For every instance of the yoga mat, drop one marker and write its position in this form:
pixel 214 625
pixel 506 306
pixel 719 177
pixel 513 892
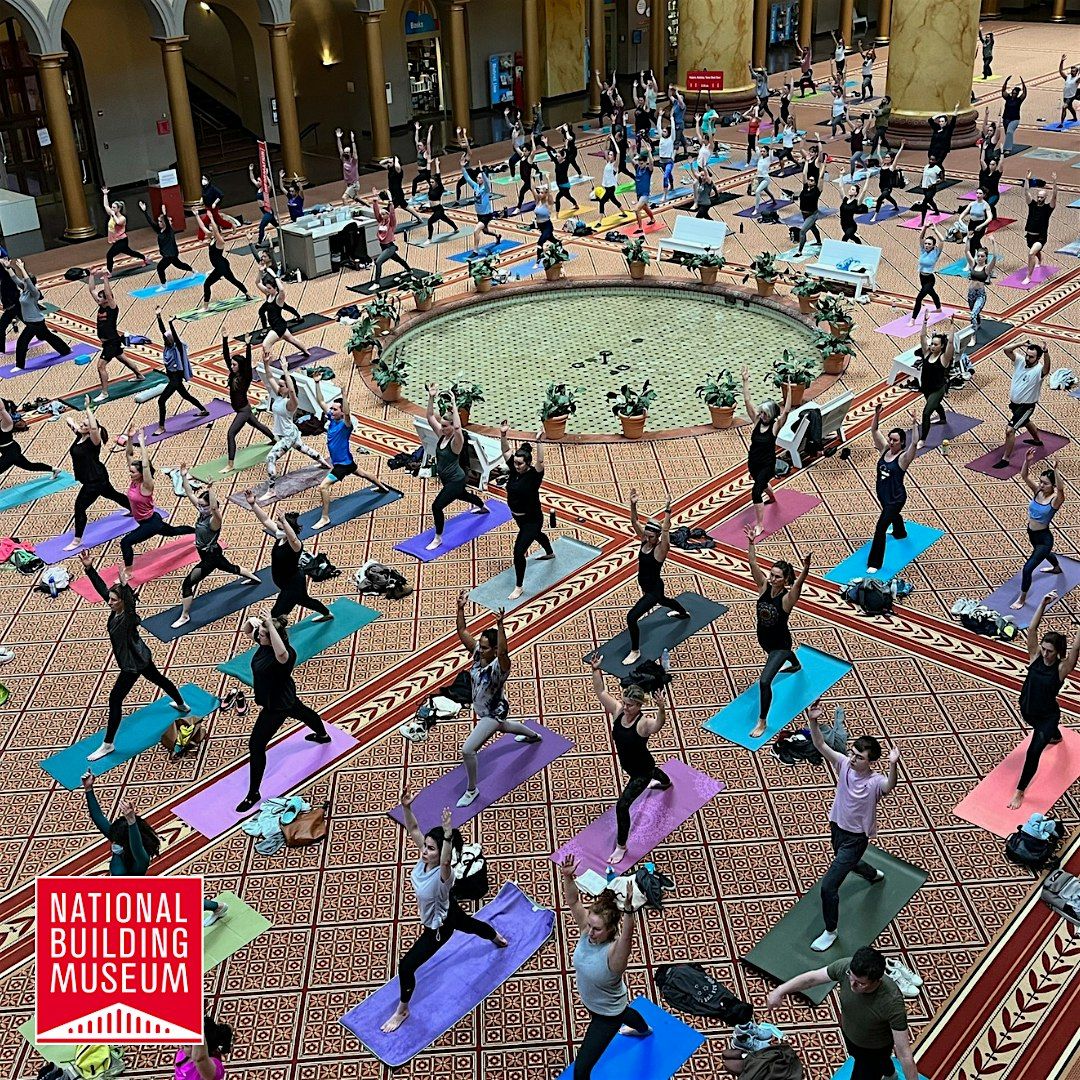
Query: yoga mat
pixel 943 186
pixel 485 249
pixel 766 208
pixel 570 555
pixel 810 252
pixel 389 281
pixel 959 268
pixel 1018 148
pixel 212 605
pixel 791 694
pixel 789 507
pixel 990 330
pixel 455 981
pixel 239 926
pixel 845 1070
pixel 442 238
pixel 887 213
pixel 357 503
pixel 656 1057
pixel 99 531
pixel 460 529
pixel 118 388
pixel 216 307
pixel 905 325
pixel 658 633
pixel 521 271
pixel 1052 443
pixel 292 483
pixel 1002 188
pixel 47 360
pixel 1042 153
pixel 1001 599
pixel 247 457
pixel 898 553
pixel 148 566
pixel 931 219
pixel 1067 126
pixel 859 177
pixel 502 766
pixel 663 198
pixel 865 910
pixel 289 762
pixel 1073 247
pixel 309 638
pixel 192 281
pixel 987 804
pixel 624 187
pixel 955 425
pixel 32 490
pixel 316 354
pixel 57 1053
pixel 1015 280
pixel 130 269
pixel 308 322
pixel 796 219
pixel 139 730
pixel 654 817
pixel 1075 204
pixel 647 228
pixel 188 421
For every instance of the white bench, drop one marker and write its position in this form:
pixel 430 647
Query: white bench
pixel 833 252
pixel 694 236
pixel 793 434
pixel 905 365
pixel 485 453
pixel 306 402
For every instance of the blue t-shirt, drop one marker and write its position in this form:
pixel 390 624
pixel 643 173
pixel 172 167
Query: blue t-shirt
pixel 928 260
pixel 482 190
pixel 337 442
pixel 642 178
pixel 678 112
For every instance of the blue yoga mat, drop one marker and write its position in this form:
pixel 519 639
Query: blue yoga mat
pixel 212 605
pixel 139 731
pixel 570 556
pixel 656 1057
pixel 21 494
pixel 486 249
pixel 355 504
pixel 309 638
pixel 898 553
pixel 192 281
pixel 956 269
pixel 526 270
pixel 791 694
pixel 845 1070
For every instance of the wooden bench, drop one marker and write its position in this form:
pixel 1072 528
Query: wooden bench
pixel 485 453
pixel 694 236
pixel 793 434
pixel 834 252
pixel 905 365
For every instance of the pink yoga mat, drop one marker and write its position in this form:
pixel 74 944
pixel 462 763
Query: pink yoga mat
pixel 789 507
pixel 905 326
pixel 1038 276
pixel 931 219
pixel 187 421
pixel 987 805
pixel 999 223
pixel 289 763
pixel 653 818
pixel 646 227
pixel 148 566
pixel 1052 443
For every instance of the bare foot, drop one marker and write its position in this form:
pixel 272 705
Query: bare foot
pixel 1018 603
pixel 1016 800
pixel 76 543
pixel 632 657
pixel 759 730
pixel 252 578
pixel 516 594
pixel 501 942
pixel 435 543
pixel 617 856
pixel 228 469
pixel 626 1029
pixel 400 1015
pixel 1052 570
pixel 321 523
pixel 181 621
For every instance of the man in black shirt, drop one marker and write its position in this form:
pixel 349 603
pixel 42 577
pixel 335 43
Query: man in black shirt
pixel 1010 113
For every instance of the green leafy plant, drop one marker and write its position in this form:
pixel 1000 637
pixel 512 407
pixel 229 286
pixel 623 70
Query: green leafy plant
pixel 467 394
pixel 707 258
pixel 424 288
pixel 831 309
pixel 764 267
pixel 829 344
pixel 483 266
pixel 553 253
pixel 636 251
pixel 559 400
pixel 799 371
pixel 719 391
pixel 384 308
pixel 805 285
pixel 362 334
pixel 629 402
pixel 387 370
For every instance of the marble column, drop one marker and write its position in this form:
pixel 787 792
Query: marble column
pixel 284 91
pixel 991 9
pixel 847 10
pixel 183 127
pixel 761 32
pixel 64 154
pixel 884 21
pixel 931 58
pixel 806 21
pixel 718 35
pixel 1058 13
pixel 597 58
pixel 376 82
pixel 460 97
pixel 530 47
pixel 658 50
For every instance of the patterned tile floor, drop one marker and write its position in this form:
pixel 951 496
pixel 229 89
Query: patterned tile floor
pixel 341 912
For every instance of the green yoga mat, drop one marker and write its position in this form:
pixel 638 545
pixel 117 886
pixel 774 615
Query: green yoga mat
pixel 217 307
pixel 240 926
pixel 865 910
pixel 119 389
pixel 58 1055
pixel 310 638
pixel 623 188
pixel 246 458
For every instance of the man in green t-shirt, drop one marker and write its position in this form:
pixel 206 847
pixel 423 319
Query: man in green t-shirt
pixel 873 1018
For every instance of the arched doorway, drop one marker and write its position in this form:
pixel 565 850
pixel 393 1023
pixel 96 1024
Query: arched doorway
pixel 423 50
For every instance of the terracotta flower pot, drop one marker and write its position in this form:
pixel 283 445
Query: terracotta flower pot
pixel 483 284
pixel 835 364
pixel 765 288
pixel 722 416
pixel 390 392
pixel 553 273
pixel 362 358
pixel 840 329
pixel 708 274
pixel 633 427
pixel 383 322
pixel 424 305
pixel 463 415
pixel 555 427
pixel 806 305
pixel 637 270
pixel 796 392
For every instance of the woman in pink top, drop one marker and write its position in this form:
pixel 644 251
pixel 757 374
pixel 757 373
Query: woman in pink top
pixel 141 497
pixel 203 1062
pixel 383 209
pixel 118 233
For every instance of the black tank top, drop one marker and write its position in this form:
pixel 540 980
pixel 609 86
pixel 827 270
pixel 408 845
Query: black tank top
pixel 1038 218
pixel 1038 695
pixel 980 274
pixel 848 208
pixel 648 571
pixel 890 481
pixel 772 621
pixel 7 441
pixel 106 323
pixel 932 376
pixel 217 258
pixel 634 755
pixel 762 452
pixel 436 190
pixel 86 462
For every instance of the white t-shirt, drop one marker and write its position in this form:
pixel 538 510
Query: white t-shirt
pixel 1026 381
pixel 839 107
pixel 610 179
pixel 432 894
pixel 667 148
pixel 763 166
pixel 838 56
pixel 931 174
pixel 704 154
pixel 1069 88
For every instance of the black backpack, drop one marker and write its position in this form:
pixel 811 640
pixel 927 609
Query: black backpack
pixel 318 567
pixel 872 596
pixel 815 441
pixel 691 989
pixel 649 675
pixel 1033 851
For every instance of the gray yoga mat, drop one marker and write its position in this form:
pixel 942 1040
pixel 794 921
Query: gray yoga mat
pixel 570 555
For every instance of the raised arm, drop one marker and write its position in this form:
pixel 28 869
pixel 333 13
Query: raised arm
pixel 912 446
pixel 1034 634
pixel 1069 662
pixel 276 388
pixel 834 757
pixel 664 545
pixel 1053 191
pixel 105 202
pixel 619 955
pixel 502 646
pixel 95 578
pixel 875 434
pixel 539 464
pixel 263 517
pixel 432 415
pixel 751 552
pixel 101 822
pixel 634 522
pixel 285 529
pixel 568 871
pixel 463 634
pixel 609 701
pixel 412 826
pixel 147 473
pixel 794 594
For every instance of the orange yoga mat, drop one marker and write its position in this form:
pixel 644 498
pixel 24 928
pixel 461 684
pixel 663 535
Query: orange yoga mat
pixel 988 805
pixel 148 566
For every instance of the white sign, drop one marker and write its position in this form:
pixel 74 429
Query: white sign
pixel 43 137
pixel 167 178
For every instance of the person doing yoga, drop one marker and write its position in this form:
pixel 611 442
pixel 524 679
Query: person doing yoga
pixel 490 668
pixel 117 232
pixel 1069 91
pixel 523 499
pixel 655 540
pixel 283 407
pixel 440 915
pixel 1047 498
pixel 897 453
pixel 112 343
pixel 178 369
pixel 132 841
pixel 1040 208
pixel 768 419
pixel 88 469
pixel 168 249
pixel 930 248
pixel 11 453
pixel 239 382
pixel 936 351
pixel 274 690
pixel 273 310
pixel 630 732
pixel 450 440
pixel 133 657
pixel 31 313
pixel 1031 366
pixel 781 591
pixel 600 959
pixel 888 179
pixel 220 267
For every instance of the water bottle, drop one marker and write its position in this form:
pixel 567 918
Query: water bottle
pixel 52 589
pixel 944 447
pixel 610 876
pixel 665 659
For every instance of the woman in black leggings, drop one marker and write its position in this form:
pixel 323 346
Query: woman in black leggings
pixel 178 369
pixel 850 205
pixel 781 590
pixel 888 178
pixel 897 453
pixel 527 169
pixel 936 351
pixel 88 469
pixel 1047 498
pixel 450 440
pixel 11 454
pixel 435 210
pixel 930 248
pixel 275 694
pixel 132 654
pixel 523 499
pixel 1052 660
pixel 267 266
pixel 219 262
pixel 768 419
pixel 285 563
pixel 433 880
pixel 118 239
pixel 168 249
pixel 240 376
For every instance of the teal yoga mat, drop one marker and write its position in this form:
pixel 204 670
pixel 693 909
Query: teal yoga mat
pixel 310 638
pixel 118 388
pixel 845 1070
pixel 791 694
pixel 898 553
pixel 21 494
pixel 570 555
pixel 865 910
pixel 139 731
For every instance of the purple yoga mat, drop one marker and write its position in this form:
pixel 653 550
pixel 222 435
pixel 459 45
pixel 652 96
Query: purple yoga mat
pixel 187 421
pixel 905 326
pixel 455 980
pixel 289 762
pixel 956 424
pixel 931 219
pixel 460 529
pixel 46 360
pixel 502 766
pixel 653 818
pixel 1052 443
pixel 99 531
pixel 789 506
pixel 1038 276
pixel 887 214
pixel 766 207
pixel 1064 583
pixel 316 354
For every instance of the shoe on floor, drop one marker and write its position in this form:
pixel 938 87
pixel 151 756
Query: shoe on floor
pixel 752 1037
pixel 241 703
pixel 825 941
pixel 229 700
pixel 211 917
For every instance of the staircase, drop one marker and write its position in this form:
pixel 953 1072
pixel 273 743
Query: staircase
pixel 225 145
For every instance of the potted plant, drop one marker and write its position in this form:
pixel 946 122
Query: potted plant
pixel 559 404
pixel 706 265
pixel 632 408
pixel 792 375
pixel 836 352
pixel 384 312
pixel 390 376
pixel 552 255
pixel 805 288
pixel 636 255
pixel 467 394
pixel 482 270
pixel 719 392
pixel 765 272
pixel 423 290
pixel 363 341
pixel 831 309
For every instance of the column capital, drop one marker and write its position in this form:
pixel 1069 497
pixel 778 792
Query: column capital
pixel 371 7
pixel 53 59
pixel 278 28
pixel 175 42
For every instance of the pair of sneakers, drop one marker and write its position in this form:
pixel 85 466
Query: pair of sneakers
pixel 235 699
pixel 751 1036
pixel 908 982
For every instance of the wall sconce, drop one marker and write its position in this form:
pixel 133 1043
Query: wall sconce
pixel 204 5
pixel 328 59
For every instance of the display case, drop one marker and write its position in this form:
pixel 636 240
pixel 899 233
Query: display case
pixel 501 78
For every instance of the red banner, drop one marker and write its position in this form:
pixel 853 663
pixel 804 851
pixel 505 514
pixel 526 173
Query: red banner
pixel 699 81
pixel 264 171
